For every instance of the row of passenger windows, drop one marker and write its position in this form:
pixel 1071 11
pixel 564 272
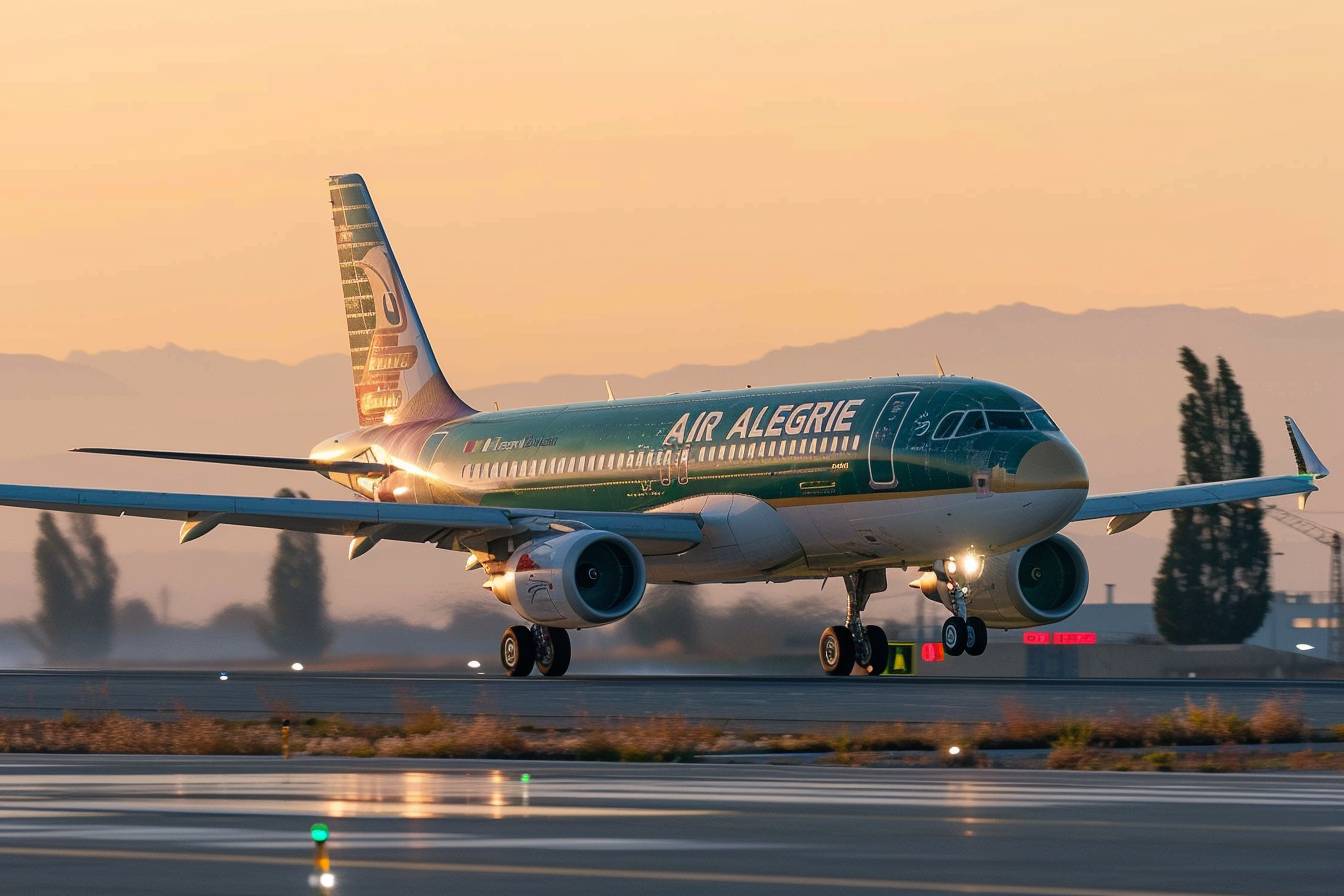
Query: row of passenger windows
pixel 959 424
pixel 637 460
pixel 780 448
pixel 554 466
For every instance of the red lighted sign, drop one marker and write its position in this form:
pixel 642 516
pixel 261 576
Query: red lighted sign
pixel 931 652
pixel 1071 638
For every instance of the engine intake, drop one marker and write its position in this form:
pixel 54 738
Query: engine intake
pixel 576 580
pixel 1035 585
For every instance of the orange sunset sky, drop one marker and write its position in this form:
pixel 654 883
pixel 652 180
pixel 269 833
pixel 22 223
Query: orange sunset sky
pixel 623 186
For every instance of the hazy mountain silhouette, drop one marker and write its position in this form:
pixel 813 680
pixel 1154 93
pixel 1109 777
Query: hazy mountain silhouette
pixel 1109 377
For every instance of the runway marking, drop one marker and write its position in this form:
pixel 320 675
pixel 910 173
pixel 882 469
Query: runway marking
pixel 243 838
pixel 571 871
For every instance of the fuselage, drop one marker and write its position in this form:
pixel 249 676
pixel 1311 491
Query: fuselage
pixel 794 481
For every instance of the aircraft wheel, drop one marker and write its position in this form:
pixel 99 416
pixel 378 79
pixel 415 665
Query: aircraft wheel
pixel 836 650
pixel 954 636
pixel 977 636
pixel 517 651
pixel 877 647
pixel 554 662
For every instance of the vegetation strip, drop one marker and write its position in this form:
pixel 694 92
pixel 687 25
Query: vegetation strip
pixel 1111 742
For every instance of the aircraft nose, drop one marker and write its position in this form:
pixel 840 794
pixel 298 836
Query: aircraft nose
pixel 1052 464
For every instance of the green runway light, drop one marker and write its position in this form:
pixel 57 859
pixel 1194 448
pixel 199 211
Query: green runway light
pixel 320 832
pixel 524 777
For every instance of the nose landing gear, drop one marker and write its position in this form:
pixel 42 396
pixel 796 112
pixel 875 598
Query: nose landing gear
pixel 842 647
pixel 963 633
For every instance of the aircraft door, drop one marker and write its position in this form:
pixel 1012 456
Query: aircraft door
pixel 882 443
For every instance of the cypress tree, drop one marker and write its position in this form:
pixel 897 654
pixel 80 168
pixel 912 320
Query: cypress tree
pixel 1213 584
pixel 77 583
pixel 295 624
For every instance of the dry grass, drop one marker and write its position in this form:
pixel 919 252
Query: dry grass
pixel 1075 743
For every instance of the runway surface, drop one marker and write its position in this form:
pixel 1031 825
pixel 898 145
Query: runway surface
pixel 764 704
pixel 150 825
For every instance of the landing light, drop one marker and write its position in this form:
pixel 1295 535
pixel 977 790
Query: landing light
pixel 223 676
pixel 473 664
pixel 954 750
pixel 970 565
pixel 1306 647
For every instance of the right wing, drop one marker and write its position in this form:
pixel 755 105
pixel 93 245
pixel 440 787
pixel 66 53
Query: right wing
pixel 1128 509
pixel 456 527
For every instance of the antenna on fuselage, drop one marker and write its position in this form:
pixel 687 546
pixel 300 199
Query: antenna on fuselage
pixel 610 397
pixel 939 365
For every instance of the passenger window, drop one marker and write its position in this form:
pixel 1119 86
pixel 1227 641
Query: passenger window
pixel 1041 420
pixel 1008 421
pixel 947 426
pixel 972 423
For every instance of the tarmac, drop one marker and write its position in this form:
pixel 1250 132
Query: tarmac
pixel 764 704
pixel 228 825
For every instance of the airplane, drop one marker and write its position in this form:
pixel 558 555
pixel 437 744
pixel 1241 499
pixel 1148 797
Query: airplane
pixel 571 511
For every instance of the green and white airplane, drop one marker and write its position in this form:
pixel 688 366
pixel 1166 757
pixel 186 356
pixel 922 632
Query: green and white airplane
pixel 571 511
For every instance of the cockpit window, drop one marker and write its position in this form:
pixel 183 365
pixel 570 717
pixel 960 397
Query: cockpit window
pixel 1041 420
pixel 947 426
pixel 1008 421
pixel 972 423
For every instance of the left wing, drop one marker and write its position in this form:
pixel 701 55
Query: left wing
pixel 1128 509
pixel 366 522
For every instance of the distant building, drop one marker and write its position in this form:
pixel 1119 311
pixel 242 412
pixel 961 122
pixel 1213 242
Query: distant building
pixel 1293 618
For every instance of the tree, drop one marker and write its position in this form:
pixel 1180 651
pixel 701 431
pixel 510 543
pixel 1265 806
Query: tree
pixel 77 581
pixel 295 624
pixel 1213 584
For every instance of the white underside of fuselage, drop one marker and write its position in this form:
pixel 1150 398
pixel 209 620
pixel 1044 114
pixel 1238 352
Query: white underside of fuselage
pixel 747 540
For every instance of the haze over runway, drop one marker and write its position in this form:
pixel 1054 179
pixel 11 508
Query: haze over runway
pixel 156 825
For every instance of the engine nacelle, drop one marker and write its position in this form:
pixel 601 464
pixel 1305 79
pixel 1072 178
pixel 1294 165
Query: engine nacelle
pixel 576 580
pixel 1035 585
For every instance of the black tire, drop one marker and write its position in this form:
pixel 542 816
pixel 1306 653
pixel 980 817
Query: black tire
pixel 517 651
pixel 836 650
pixel 559 658
pixel 877 645
pixel 954 636
pixel 977 636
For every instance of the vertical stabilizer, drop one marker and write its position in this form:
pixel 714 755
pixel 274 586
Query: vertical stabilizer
pixel 397 378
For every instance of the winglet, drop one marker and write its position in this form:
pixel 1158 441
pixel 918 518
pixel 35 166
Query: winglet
pixel 1308 464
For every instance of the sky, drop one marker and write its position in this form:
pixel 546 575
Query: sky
pixel 620 187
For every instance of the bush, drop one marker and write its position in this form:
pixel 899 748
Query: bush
pixel 1279 721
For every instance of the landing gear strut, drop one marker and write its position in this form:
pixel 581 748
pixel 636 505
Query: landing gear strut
pixel 842 647
pixel 547 648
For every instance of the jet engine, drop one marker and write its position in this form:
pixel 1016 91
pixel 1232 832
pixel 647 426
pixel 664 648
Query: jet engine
pixel 576 580
pixel 1035 585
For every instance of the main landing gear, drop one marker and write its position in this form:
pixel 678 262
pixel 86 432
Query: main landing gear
pixel 522 647
pixel 842 647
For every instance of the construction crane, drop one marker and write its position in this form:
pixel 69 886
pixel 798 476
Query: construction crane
pixel 1334 540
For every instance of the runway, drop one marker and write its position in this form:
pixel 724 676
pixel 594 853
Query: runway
pixel 154 825
pixel 762 704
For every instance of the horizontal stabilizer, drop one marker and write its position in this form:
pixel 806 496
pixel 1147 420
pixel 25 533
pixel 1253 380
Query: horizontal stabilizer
pixel 251 460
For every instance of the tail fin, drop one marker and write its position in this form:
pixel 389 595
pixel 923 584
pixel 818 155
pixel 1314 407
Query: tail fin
pixel 397 378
